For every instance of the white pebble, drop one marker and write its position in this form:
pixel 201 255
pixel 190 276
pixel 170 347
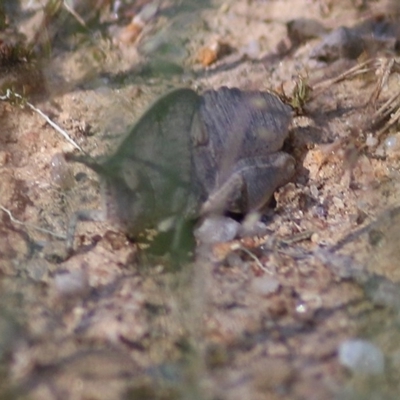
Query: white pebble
pixel 391 141
pixel 338 202
pixel 217 229
pixel 314 191
pixel 147 13
pixel 60 172
pixel 265 285
pixel 252 226
pixel 380 151
pixel 371 141
pixel 252 49
pixel 361 357
pixel 392 144
pixel 71 283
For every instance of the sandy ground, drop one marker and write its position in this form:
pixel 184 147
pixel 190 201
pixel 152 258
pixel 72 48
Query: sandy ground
pixel 260 317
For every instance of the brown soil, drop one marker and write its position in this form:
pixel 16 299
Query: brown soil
pixel 256 318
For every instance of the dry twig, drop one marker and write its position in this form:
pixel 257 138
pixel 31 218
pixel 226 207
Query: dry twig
pixel 25 224
pixel 10 95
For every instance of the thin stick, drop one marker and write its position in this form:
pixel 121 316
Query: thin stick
pixel 387 108
pixel 358 69
pixel 74 14
pixel 257 261
pixel 9 95
pixel 43 230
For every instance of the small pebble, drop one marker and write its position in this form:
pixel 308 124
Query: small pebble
pixel 302 29
pixel 147 13
pixel 252 226
pixel 252 49
pixel 392 144
pixel 131 32
pixel 207 56
pixel 380 151
pixel 384 293
pixel 371 140
pixel 361 357
pixel 314 191
pixel 391 141
pixel 38 269
pixel 212 52
pixel 217 229
pixel 71 283
pixel 315 238
pixel 341 43
pixel 60 172
pixel 265 285
pixel 338 202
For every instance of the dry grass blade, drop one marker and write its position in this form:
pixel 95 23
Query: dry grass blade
pixel 391 108
pixel 387 108
pixel 12 96
pixel 383 67
pixel 256 260
pixel 357 70
pixel 37 228
pixel 74 13
pixel 395 117
pixel 383 71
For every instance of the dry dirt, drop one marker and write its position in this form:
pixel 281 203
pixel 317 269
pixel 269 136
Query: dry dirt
pixel 257 318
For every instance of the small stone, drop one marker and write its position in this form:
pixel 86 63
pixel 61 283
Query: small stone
pixel 392 145
pixel 38 269
pixel 315 238
pixel 302 29
pixel 371 140
pixel 340 43
pixel 71 283
pixel 391 141
pixel 384 293
pixel 148 12
pixel 60 171
pixel 217 229
pixel 361 357
pixel 265 285
pixel 207 56
pixel 252 49
pixel 314 191
pixel 211 53
pixel 252 226
pixel 380 151
pixel 338 202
